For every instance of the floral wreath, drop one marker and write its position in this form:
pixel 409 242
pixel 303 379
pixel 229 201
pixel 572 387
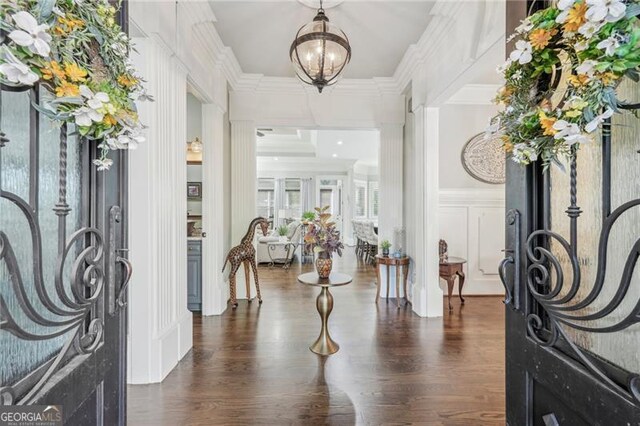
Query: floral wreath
pixel 591 44
pixel 77 51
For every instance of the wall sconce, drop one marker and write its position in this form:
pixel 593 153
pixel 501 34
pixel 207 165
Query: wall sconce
pixel 195 146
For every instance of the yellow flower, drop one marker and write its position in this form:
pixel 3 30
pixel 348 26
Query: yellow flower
pixel 74 72
pixel 127 80
pixel 576 17
pixel 109 120
pixel 69 24
pixel 607 78
pixel 51 70
pixel 578 80
pixel 506 143
pixel 573 113
pixel 67 89
pixel 540 38
pixel 547 123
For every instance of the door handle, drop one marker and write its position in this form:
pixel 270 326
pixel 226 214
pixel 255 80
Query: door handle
pixel 512 292
pixel 128 270
pixel 502 273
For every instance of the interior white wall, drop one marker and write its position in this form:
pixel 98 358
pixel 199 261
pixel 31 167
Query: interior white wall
pixel 159 323
pixel 471 212
pixel 173 52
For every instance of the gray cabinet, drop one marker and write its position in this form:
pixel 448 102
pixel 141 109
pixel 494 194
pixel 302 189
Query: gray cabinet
pixel 194 275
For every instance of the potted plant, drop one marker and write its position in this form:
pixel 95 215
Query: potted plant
pixel 324 239
pixel 282 231
pixel 385 245
pixel 308 217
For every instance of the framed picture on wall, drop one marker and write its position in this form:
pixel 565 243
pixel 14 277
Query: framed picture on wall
pixel 194 190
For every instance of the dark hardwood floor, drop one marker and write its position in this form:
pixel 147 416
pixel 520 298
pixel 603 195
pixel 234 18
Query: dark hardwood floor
pixel 253 365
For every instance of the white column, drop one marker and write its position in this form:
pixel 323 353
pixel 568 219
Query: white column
pixel 243 189
pixel 427 294
pixel 160 327
pixel 214 290
pixel 390 188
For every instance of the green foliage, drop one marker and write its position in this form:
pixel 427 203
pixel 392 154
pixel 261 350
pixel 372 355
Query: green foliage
pixel 283 230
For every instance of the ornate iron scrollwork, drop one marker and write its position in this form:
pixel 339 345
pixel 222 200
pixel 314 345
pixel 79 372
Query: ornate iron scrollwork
pixel 563 308
pixel 72 299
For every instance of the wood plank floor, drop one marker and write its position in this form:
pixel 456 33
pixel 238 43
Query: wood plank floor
pixel 253 365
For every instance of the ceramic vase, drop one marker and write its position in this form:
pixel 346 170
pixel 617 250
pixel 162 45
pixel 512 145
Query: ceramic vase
pixel 323 266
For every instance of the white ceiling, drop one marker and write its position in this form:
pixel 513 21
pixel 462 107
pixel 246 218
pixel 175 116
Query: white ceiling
pixel 286 144
pixel 260 32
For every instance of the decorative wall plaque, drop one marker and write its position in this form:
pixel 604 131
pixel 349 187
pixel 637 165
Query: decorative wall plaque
pixel 484 158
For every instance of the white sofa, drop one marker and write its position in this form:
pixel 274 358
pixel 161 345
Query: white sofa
pixel 293 234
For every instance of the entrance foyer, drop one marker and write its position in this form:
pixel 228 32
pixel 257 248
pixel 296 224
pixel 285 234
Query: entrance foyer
pixel 253 365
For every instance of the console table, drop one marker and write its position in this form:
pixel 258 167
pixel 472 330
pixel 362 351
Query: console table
pixel 449 269
pixel 324 345
pixel 399 263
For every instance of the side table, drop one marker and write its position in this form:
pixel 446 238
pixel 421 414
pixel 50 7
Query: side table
pixel 399 263
pixel 449 269
pixel 324 345
pixel 286 245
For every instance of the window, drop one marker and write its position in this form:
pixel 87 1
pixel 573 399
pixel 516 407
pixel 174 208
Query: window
pixel 373 200
pixel 360 199
pixel 292 199
pixel 266 198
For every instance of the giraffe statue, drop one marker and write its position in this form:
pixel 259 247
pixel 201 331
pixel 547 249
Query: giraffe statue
pixel 245 253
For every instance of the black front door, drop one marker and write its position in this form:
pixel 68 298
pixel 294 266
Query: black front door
pixel 63 269
pixel 572 280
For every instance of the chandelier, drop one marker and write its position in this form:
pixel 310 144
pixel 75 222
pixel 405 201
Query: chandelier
pixel 320 52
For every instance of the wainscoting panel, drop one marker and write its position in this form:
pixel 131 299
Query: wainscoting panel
pixel 472 223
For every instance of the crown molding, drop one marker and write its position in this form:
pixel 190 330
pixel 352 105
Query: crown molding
pixel 207 47
pixel 474 94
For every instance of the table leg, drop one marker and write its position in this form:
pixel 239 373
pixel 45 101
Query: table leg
pixel 398 286
pixel 387 283
pixel 324 345
pixel 378 284
pixel 460 284
pixel 406 277
pixel 450 282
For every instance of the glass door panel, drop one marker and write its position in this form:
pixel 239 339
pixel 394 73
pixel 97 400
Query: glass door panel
pixel 599 316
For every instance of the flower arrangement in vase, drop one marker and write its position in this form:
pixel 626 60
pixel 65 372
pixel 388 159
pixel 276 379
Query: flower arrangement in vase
pixel 324 239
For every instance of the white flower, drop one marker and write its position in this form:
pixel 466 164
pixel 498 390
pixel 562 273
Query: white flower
pixel 523 153
pixel 103 164
pixel 502 68
pixel 127 139
pixel 94 101
pixel 525 26
pixel 609 45
pixel 587 67
pixel 589 29
pixel 593 124
pixel 85 116
pixel 522 53
pixel 569 132
pixel 581 45
pixel 565 4
pixel 31 34
pixel 605 10
pixel 17 72
pixel 564 128
pixel 517 75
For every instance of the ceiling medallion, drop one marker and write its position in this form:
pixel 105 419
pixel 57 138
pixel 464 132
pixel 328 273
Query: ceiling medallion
pixel 320 52
pixel 484 159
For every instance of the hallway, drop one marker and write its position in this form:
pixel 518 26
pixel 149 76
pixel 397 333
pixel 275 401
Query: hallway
pixel 253 365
